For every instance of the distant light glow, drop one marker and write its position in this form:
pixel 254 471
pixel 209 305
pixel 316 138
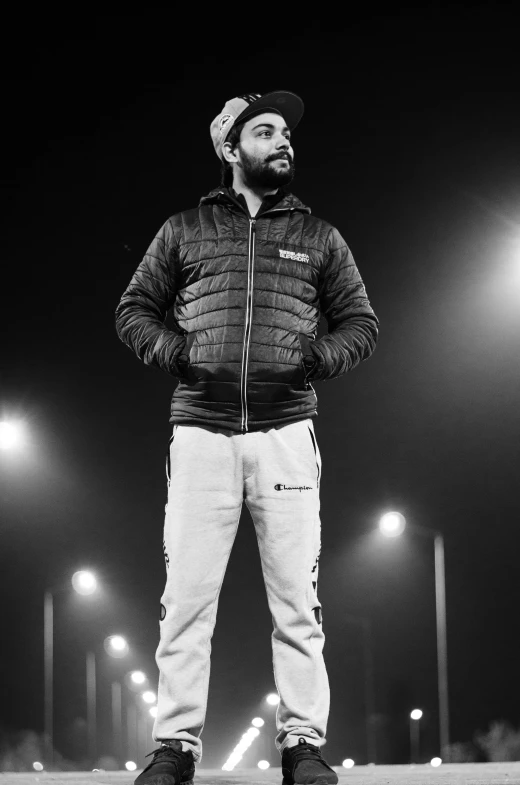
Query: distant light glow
pixel 11 435
pixel 273 699
pixel 130 765
pixel 392 524
pixel 257 722
pixel 416 714
pixel 116 646
pixel 37 766
pixel 153 711
pixel 118 642
pixel 263 764
pixel 243 745
pixel 138 677
pixel 84 582
pixel 435 762
pixel 348 763
pixel 149 696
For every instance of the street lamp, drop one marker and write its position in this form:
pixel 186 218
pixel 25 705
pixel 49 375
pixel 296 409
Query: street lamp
pixel 117 647
pixel 84 582
pixel 415 716
pixel 11 434
pixel 392 524
pixel 272 699
pixel 81 579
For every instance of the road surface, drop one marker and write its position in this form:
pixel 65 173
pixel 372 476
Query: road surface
pixel 447 774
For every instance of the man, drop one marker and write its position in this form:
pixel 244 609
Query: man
pixel 247 274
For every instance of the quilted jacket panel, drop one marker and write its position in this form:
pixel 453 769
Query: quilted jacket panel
pixel 246 298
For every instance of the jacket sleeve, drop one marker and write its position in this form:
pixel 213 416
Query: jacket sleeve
pixel 143 307
pixel 352 324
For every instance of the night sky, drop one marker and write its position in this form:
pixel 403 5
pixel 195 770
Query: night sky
pixel 410 146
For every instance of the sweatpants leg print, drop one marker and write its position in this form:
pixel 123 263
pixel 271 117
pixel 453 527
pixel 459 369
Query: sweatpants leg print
pixel 213 470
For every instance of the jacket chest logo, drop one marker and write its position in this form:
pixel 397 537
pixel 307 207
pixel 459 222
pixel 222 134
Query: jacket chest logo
pixel 296 257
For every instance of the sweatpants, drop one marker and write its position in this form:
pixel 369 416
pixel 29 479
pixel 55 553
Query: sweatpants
pixel 276 471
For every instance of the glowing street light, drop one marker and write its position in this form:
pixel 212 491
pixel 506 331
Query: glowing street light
pixel 392 524
pixel 258 722
pixel 116 646
pixel 84 582
pixel 263 764
pixel 11 434
pixel 415 716
pixel 118 643
pixel 348 763
pixel 273 699
pixel 153 711
pixel 138 677
pixel 149 696
pixel 130 765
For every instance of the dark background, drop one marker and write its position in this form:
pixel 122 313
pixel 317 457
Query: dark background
pixel 410 146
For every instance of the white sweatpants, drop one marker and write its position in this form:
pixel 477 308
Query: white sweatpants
pixel 276 472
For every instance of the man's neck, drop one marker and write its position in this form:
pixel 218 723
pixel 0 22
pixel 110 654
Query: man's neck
pixel 254 198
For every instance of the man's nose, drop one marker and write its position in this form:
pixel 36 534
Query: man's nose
pixel 283 143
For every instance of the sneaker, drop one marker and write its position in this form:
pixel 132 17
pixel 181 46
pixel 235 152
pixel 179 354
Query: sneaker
pixel 302 764
pixel 169 766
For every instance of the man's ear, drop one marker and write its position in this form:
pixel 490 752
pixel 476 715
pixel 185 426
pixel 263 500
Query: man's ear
pixel 229 154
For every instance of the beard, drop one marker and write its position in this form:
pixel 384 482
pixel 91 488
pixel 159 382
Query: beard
pixel 264 173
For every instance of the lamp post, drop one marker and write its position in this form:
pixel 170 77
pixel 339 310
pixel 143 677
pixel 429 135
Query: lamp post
pixel 48 692
pixel 415 716
pixel 116 646
pixel 117 722
pixel 272 699
pixel 392 524
pixel 84 582
pixel 369 684
pixel 91 707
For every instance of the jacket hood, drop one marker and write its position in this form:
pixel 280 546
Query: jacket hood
pixel 288 202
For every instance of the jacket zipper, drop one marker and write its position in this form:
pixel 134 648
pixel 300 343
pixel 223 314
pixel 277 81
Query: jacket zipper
pixel 249 312
pixel 249 319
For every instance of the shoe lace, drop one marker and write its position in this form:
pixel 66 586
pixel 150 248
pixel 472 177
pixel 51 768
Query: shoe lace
pixel 305 751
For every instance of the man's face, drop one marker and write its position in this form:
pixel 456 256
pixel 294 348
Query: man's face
pixel 264 152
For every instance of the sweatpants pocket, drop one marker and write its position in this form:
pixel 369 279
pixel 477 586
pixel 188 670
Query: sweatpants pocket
pixel 317 454
pixel 168 453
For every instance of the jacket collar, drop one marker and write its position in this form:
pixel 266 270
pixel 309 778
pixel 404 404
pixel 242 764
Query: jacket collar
pixel 222 195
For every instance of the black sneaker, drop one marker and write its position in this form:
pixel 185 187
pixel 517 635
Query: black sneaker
pixel 303 764
pixel 169 766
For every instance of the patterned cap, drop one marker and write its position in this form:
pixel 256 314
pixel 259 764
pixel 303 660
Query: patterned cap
pixel 288 105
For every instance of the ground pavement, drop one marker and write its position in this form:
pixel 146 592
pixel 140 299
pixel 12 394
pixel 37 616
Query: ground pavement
pixel 448 774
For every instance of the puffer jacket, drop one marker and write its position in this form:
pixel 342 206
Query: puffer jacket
pixel 247 294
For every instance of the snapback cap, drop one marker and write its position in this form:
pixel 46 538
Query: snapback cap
pixel 236 110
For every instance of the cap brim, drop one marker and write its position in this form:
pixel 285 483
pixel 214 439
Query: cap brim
pixel 289 105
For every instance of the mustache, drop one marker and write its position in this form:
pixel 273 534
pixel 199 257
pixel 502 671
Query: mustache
pixel 279 157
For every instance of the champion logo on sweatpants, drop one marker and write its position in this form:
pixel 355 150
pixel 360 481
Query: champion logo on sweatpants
pixel 296 257
pixel 282 487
